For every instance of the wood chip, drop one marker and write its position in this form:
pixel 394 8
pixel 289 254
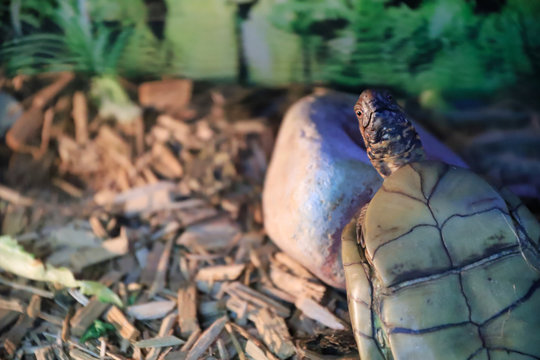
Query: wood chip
pixel 220 272
pixel 165 163
pixel 206 339
pixel 152 261
pixel 214 234
pixel 12 305
pixel 250 295
pixel 7 317
pixel 160 341
pixel 254 351
pixel 85 316
pixel 45 95
pixel 274 333
pixel 170 95
pixel 187 310
pixel 316 311
pixel 243 332
pixel 165 329
pixel 151 310
pixel 34 307
pixel 44 353
pixel 161 271
pixel 14 336
pixel 294 266
pixel 109 249
pixel 14 197
pixel 126 330
pixel 80 117
pixel 296 286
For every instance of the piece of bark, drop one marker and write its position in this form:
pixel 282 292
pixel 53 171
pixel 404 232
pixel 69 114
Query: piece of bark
pixel 274 333
pixel 85 316
pixel 26 128
pixel 126 330
pixel 294 266
pixel 139 198
pixel 165 163
pixel 46 129
pixel 66 329
pixel 45 95
pixel 97 227
pixel 67 187
pixel 161 271
pixel 14 197
pixel 44 353
pixel 254 351
pixel 77 354
pixel 191 340
pixel 151 310
pixel 25 131
pixel 6 318
pixel 190 216
pixel 241 308
pixel 80 117
pixel 34 307
pixel 170 95
pixel 316 311
pixel 206 339
pixel 159 341
pixel 165 329
pixel 222 349
pixel 13 338
pixel 152 262
pixel 220 272
pixel 295 285
pixel 12 305
pixel 187 310
pixel 235 342
pixel 244 333
pixel 109 249
pixel 213 234
pixel 248 294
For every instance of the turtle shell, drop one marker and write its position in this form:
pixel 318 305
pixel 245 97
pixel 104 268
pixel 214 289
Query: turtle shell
pixel 447 277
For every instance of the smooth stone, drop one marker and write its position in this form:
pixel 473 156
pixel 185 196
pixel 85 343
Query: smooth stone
pixel 319 176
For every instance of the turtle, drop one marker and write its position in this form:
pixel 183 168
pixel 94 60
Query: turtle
pixel 439 264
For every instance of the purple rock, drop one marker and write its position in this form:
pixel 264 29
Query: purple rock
pixel 319 176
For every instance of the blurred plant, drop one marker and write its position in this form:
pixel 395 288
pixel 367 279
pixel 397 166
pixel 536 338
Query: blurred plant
pixel 81 46
pixel 312 21
pixel 442 46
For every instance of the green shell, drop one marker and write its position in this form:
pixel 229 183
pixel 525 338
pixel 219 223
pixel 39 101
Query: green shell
pixel 441 274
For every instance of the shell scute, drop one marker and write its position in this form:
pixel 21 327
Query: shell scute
pixel 497 285
pixel 410 264
pixel 460 192
pixel 452 343
pixel 437 301
pixel 492 231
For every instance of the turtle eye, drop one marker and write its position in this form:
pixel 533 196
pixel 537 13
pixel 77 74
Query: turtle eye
pixel 358 113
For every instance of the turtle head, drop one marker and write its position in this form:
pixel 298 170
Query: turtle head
pixel 390 138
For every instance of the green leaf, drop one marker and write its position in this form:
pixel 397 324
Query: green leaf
pixel 103 293
pixel 97 329
pixel 16 260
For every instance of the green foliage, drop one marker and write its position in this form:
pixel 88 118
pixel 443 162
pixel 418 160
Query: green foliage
pixel 14 259
pixel 80 46
pixel 97 329
pixel 106 39
pixel 440 47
